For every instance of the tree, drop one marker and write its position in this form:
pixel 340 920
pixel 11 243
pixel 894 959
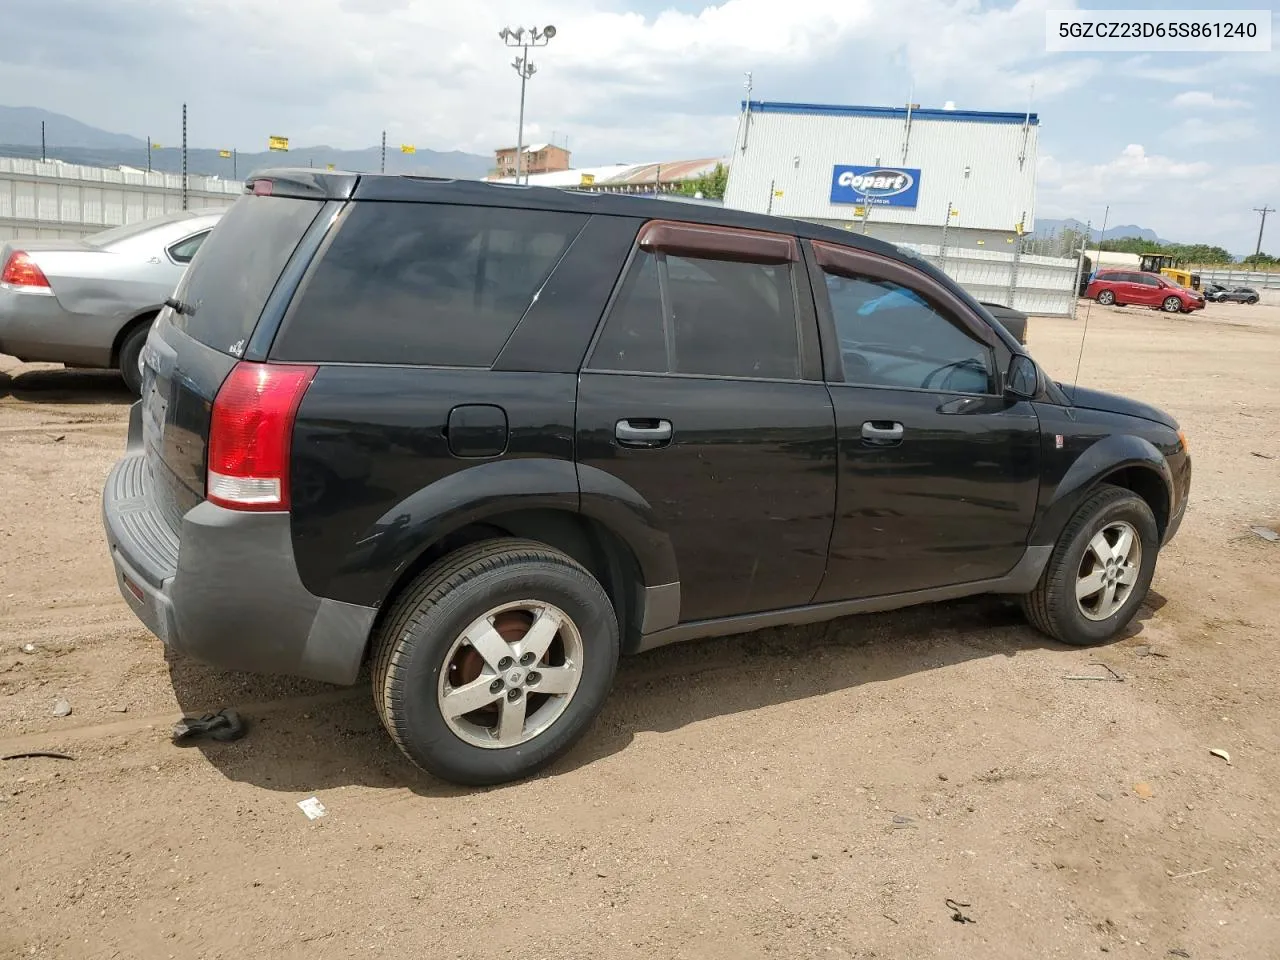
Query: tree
pixel 1261 260
pixel 1182 253
pixel 710 185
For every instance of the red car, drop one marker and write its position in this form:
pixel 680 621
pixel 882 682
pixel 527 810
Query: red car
pixel 1142 289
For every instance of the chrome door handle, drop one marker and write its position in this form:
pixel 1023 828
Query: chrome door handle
pixel 882 432
pixel 643 433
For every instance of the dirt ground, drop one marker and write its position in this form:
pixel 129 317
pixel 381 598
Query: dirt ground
pixel 795 793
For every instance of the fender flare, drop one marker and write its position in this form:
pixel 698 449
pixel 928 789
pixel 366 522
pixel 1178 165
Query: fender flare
pixel 488 490
pixel 1112 453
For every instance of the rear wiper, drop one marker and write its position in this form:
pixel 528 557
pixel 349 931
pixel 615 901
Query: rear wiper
pixel 179 306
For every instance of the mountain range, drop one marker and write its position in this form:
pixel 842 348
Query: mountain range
pixel 71 141
pixel 1049 228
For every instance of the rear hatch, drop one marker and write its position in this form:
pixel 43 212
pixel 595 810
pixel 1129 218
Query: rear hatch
pixel 194 345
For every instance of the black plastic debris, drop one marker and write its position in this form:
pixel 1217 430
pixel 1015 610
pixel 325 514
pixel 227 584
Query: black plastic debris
pixel 224 725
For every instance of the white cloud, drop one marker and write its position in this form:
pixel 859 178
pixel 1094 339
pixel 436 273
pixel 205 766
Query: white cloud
pixel 1189 201
pixel 1196 131
pixel 1212 71
pixel 623 86
pixel 1204 99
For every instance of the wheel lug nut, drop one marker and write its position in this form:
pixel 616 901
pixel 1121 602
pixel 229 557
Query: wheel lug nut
pixel 495 686
pixel 527 659
pixel 532 677
pixel 504 663
pixel 513 695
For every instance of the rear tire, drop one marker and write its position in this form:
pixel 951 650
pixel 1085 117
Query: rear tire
pixel 130 351
pixel 1087 552
pixel 460 634
pixel 1251 300
pixel 1106 298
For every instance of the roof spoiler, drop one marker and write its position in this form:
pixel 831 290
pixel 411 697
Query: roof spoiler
pixel 302 183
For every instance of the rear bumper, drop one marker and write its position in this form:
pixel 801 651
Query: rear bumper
pixel 224 588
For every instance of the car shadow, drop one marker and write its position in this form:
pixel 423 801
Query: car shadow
pixel 308 737
pixel 66 387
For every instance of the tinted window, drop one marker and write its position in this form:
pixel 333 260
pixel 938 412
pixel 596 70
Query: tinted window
pixel 416 283
pixel 184 250
pixel 1148 280
pixel 238 267
pixel 890 336
pixel 727 319
pixel 633 337
pixel 1114 277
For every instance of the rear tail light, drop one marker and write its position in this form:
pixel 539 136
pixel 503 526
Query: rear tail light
pixel 21 271
pixel 250 435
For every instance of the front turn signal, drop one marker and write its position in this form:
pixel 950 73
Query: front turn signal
pixel 1182 436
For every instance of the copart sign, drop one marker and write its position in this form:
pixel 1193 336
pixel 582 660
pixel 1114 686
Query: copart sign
pixel 881 186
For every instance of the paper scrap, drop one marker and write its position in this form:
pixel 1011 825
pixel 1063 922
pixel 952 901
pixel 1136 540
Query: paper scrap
pixel 312 807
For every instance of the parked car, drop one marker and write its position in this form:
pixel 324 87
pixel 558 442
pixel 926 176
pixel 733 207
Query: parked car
pixel 90 302
pixel 1124 287
pixel 1218 294
pixel 590 425
pixel 1015 321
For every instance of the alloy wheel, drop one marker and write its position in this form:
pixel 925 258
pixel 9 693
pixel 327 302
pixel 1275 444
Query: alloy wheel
pixel 1108 570
pixel 511 674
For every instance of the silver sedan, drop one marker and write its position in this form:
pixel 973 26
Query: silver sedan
pixel 90 302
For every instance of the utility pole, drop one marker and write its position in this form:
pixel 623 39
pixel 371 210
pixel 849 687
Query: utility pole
pixel 235 164
pixel 384 152
pixel 184 156
pixel 1075 293
pixel 524 39
pixel 42 153
pixel 1264 210
pixel 148 154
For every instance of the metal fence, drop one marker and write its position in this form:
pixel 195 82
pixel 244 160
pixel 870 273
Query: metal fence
pixel 55 200
pixel 1239 277
pixel 1045 286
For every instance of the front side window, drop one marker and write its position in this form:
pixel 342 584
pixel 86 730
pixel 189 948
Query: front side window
pixel 720 318
pixel 891 336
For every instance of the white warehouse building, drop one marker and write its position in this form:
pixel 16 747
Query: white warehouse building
pixel 891 172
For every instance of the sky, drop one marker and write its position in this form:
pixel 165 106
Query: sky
pixel 1186 144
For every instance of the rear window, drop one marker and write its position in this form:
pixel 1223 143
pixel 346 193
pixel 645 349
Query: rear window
pixel 424 284
pixel 231 279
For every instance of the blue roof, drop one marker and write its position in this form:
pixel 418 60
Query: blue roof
pixel 887 113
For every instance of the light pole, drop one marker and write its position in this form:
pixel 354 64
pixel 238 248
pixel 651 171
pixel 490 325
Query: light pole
pixel 524 39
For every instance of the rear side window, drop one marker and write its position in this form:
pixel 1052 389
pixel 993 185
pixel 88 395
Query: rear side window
pixel 238 266
pixel 425 284
pixel 726 319
pixel 184 251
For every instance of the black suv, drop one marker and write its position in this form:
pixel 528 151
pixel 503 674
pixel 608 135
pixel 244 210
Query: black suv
pixel 489 438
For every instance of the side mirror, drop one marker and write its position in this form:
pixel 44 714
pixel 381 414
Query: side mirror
pixel 1023 379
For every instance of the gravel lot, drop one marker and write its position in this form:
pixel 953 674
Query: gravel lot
pixel 794 793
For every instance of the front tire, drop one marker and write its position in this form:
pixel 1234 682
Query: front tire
pixel 1172 305
pixel 1106 298
pixel 494 661
pixel 130 351
pixel 1099 572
